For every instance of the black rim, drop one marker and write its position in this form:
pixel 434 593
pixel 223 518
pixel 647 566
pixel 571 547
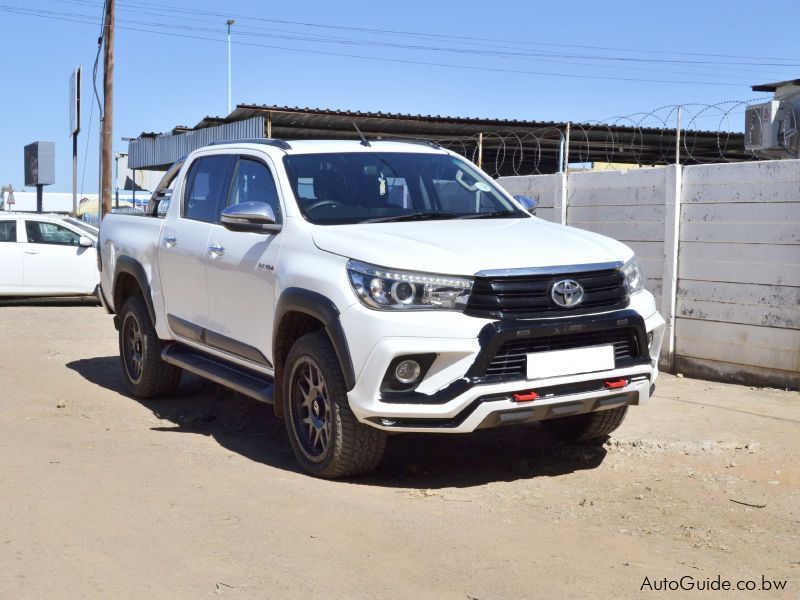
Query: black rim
pixel 132 347
pixel 311 406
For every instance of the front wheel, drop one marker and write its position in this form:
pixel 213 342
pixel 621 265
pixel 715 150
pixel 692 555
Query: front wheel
pixel 586 427
pixel 326 437
pixel 140 350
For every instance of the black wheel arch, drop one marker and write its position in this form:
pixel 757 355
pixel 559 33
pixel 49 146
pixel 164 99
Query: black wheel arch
pixel 126 268
pixel 320 309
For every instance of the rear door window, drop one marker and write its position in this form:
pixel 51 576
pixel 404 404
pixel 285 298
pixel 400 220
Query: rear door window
pixel 8 231
pixel 207 187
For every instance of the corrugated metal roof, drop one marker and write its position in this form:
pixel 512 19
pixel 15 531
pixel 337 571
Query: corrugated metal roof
pixel 512 145
pixel 158 151
pixel 771 87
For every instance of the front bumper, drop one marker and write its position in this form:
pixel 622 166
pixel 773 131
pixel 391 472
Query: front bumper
pixel 459 395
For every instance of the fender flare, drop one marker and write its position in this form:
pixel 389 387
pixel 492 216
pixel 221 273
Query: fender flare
pixel 324 310
pixel 132 267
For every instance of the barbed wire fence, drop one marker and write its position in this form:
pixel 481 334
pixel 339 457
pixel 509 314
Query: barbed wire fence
pixel 706 133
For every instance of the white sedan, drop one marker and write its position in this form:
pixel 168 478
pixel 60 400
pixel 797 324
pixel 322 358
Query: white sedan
pixel 47 255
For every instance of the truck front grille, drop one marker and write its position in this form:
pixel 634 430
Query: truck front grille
pixel 511 358
pixel 528 296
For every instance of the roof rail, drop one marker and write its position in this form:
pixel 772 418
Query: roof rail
pixel 418 141
pixel 282 144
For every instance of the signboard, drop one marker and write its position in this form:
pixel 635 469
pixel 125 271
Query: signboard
pixel 40 163
pixel 75 102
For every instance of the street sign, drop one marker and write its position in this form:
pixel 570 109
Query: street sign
pixel 75 102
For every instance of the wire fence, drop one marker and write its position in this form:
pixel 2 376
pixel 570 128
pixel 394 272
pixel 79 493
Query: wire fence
pixel 708 133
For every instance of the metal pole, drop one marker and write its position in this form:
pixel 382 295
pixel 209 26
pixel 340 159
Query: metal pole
pixel 480 150
pixel 269 125
pixel 75 174
pixel 565 180
pixel 678 138
pixel 108 106
pixel 229 22
pixel 116 180
pixel 39 190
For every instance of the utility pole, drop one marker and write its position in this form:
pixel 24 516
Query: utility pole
pixel 108 108
pixel 229 22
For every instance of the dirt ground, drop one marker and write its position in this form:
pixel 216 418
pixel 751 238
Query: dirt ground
pixel 105 496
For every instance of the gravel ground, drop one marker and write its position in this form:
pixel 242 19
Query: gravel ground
pixel 105 496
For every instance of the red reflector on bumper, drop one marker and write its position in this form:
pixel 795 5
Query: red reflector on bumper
pixel 614 384
pixel 526 396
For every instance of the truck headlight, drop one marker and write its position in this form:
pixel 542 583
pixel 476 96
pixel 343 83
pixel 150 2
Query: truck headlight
pixel 634 275
pixel 391 289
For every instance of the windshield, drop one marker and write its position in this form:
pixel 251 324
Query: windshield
pixel 371 187
pixel 91 230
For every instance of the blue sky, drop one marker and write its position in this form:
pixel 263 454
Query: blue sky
pixel 579 61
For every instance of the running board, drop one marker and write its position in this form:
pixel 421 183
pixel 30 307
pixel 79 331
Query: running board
pixel 247 382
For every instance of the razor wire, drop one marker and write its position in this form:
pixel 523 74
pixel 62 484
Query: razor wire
pixel 638 139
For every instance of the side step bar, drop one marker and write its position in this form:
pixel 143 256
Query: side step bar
pixel 247 382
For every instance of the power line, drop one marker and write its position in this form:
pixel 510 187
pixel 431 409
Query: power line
pixel 84 19
pixel 494 53
pixel 193 11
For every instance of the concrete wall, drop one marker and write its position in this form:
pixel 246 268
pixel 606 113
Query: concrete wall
pixel 627 206
pixel 726 274
pixel 738 295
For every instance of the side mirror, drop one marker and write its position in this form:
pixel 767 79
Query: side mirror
pixel 250 216
pixel 529 204
pixel 158 199
pixel 85 242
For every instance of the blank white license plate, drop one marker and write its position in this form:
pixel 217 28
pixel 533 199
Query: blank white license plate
pixel 570 362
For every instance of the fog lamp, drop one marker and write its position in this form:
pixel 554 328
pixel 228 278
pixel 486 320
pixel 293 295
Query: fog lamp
pixel 407 371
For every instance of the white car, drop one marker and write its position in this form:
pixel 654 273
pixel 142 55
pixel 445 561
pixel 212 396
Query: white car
pixel 47 255
pixel 373 288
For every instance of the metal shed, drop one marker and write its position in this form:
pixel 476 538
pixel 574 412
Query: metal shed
pixel 500 146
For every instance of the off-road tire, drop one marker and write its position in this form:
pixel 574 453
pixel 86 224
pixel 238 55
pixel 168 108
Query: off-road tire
pixel 352 447
pixel 155 378
pixel 587 427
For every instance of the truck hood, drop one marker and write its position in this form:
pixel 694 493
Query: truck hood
pixel 464 247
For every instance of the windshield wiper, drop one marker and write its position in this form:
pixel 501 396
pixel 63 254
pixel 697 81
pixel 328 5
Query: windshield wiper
pixel 492 215
pixel 414 216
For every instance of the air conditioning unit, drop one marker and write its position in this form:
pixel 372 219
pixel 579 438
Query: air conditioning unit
pixel 761 126
pixel 771 128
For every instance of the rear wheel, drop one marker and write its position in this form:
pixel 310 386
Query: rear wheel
pixel 140 350
pixel 586 427
pixel 326 437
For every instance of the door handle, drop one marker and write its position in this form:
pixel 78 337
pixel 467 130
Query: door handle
pixel 216 250
pixel 170 241
pixel 31 252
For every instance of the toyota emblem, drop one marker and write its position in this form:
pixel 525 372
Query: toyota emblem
pixel 567 293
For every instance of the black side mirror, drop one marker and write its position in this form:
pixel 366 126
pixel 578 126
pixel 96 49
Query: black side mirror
pixel 529 204
pixel 250 216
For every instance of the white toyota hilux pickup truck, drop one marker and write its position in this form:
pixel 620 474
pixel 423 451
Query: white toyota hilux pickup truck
pixel 375 287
